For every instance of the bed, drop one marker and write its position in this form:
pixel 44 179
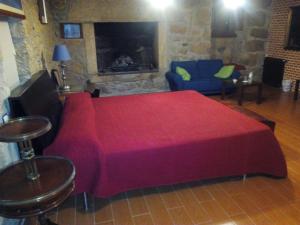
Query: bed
pixel 130 142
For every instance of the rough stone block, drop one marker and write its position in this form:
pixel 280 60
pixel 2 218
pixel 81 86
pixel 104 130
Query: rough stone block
pixel 257 19
pixel 252 59
pixel 183 51
pixel 202 17
pixel 261 3
pixel 259 33
pixel 178 29
pixel 255 46
pixel 200 48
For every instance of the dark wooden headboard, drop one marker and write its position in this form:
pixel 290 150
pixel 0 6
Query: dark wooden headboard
pixel 38 96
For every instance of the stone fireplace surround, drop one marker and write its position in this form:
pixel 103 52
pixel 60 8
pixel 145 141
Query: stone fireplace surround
pixel 184 33
pixel 130 82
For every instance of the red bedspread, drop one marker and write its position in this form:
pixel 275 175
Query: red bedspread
pixel 129 142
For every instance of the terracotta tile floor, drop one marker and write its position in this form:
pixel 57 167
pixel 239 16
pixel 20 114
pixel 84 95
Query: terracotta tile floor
pixel 256 201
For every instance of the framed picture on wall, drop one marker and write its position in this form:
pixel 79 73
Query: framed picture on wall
pixel 12 8
pixel 71 30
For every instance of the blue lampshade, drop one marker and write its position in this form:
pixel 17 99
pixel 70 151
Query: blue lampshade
pixel 61 53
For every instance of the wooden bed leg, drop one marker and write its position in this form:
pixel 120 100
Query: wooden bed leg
pixel 85 202
pixel 244 177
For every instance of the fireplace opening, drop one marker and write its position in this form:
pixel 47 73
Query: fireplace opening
pixel 126 47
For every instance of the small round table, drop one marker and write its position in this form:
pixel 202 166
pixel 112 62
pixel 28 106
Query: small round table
pixel 34 185
pixel 21 197
pixel 22 130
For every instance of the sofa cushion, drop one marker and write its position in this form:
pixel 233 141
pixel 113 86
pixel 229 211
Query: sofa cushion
pixel 189 66
pixel 186 76
pixel 206 69
pixel 225 72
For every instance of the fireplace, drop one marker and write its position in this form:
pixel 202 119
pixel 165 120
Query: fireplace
pixel 126 47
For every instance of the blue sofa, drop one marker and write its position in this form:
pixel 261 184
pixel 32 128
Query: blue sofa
pixel 202 77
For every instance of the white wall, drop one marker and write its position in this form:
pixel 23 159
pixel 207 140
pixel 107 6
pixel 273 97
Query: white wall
pixel 8 80
pixel 10 75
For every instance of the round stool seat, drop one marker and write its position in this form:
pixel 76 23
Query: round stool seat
pixel 21 197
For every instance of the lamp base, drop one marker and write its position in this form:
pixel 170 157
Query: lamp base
pixel 65 88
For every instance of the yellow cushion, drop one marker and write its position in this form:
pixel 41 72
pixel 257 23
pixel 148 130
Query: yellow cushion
pixel 183 73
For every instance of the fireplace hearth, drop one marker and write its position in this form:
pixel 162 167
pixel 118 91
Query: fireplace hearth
pixel 126 47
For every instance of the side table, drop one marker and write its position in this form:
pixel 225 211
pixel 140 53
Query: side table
pixel 88 87
pixel 21 197
pixel 297 89
pixel 244 85
pixel 34 185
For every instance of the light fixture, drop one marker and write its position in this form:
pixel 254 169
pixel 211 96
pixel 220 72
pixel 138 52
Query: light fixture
pixel 61 54
pixel 161 4
pixel 234 4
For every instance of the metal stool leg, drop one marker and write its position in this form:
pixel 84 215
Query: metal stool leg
pixel 244 178
pixel 259 94
pixel 85 202
pixel 241 95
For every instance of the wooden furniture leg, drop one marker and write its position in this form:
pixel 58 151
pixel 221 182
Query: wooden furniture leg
pixel 85 202
pixel 223 90
pixel 241 95
pixel 259 94
pixel 296 90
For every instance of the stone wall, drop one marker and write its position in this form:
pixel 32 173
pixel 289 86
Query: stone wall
pixel 249 47
pixel 278 31
pixel 34 42
pixel 184 34
pixel 189 30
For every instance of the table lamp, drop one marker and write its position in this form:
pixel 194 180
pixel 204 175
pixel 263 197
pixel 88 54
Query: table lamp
pixel 61 54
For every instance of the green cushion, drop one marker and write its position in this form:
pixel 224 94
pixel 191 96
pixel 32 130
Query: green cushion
pixel 183 73
pixel 225 72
